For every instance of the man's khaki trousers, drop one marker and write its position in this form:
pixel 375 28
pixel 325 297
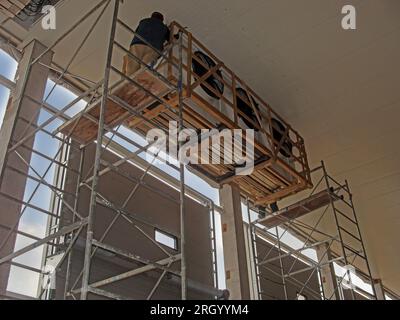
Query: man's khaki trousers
pixel 142 52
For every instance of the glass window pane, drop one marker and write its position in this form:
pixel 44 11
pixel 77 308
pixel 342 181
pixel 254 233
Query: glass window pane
pixel 23 281
pixel 166 240
pixel 8 66
pixel 4 96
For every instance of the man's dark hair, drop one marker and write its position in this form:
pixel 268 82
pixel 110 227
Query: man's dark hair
pixel 157 15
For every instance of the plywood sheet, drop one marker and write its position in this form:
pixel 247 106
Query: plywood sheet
pixel 84 126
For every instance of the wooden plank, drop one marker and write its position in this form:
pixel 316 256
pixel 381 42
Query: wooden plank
pixel 149 115
pixel 299 209
pixel 86 130
pixel 268 183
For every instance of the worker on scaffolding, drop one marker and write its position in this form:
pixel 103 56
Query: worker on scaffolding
pixel 150 38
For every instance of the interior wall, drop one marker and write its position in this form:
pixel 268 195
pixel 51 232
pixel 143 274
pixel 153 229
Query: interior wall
pixel 160 209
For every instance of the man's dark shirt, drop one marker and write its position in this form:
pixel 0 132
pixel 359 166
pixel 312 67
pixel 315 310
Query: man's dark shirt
pixel 154 31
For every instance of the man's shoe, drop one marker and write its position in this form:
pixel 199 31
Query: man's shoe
pixel 262 213
pixel 274 207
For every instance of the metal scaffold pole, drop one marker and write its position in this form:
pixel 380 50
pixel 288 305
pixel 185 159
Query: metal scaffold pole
pixel 99 146
pixel 76 201
pixel 333 196
pixel 346 262
pixel 182 174
pixel 361 238
pixel 254 255
pixel 67 224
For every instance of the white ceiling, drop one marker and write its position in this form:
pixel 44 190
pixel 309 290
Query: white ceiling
pixel 340 89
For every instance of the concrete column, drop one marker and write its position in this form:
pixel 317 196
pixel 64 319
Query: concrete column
pixel 379 290
pixel 329 283
pixel 31 82
pixel 237 276
pixel 251 263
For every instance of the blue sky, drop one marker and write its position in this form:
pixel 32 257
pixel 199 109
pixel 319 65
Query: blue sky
pixel 8 68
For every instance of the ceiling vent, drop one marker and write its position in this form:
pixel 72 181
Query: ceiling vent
pixel 201 70
pixel 244 105
pixel 25 12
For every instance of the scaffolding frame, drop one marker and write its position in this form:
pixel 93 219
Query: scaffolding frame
pixel 66 237
pixel 274 177
pixel 340 243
